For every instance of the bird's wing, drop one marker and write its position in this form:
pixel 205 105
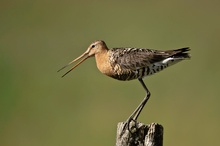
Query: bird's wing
pixel 136 58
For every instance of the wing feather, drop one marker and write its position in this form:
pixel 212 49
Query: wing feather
pixel 136 58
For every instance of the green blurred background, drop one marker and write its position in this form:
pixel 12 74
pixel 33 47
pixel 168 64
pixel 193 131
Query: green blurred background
pixel 39 108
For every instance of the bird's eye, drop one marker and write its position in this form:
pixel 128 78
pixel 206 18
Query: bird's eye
pixel 93 46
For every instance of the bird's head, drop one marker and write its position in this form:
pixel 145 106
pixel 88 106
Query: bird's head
pixel 95 48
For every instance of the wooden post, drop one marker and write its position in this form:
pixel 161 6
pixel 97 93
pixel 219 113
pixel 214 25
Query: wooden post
pixel 139 134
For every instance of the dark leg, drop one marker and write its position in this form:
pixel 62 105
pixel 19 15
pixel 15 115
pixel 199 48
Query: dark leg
pixel 138 110
pixel 136 113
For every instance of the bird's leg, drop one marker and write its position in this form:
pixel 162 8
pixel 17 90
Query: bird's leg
pixel 138 110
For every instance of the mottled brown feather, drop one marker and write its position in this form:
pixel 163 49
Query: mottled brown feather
pixel 125 63
pixel 136 58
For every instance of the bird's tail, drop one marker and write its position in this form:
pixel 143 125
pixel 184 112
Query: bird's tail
pixel 170 57
pixel 175 56
pixel 180 53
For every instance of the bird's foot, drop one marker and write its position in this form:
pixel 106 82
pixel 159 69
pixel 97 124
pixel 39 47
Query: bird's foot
pixel 130 125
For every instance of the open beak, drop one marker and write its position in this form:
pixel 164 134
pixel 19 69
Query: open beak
pixel 84 56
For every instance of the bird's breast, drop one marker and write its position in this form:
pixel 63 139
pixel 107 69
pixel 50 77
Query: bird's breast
pixel 107 66
pixel 103 64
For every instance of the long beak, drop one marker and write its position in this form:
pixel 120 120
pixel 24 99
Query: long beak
pixel 85 55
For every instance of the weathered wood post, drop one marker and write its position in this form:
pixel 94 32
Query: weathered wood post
pixel 139 134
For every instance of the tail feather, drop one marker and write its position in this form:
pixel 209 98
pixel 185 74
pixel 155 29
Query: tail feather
pixel 176 56
pixel 181 53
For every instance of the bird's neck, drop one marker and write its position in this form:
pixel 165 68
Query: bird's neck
pixel 103 63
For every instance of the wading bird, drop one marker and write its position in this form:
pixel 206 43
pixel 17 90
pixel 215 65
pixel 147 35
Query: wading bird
pixel 130 63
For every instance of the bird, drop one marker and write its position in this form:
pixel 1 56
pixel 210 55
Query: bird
pixel 127 64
